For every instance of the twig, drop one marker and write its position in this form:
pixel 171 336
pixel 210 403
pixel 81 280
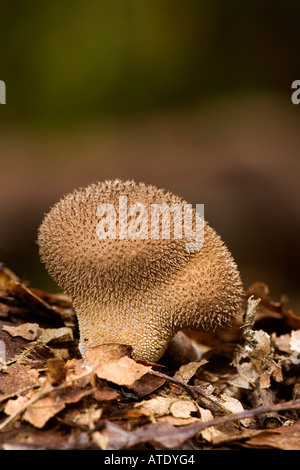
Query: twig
pixel 40 394
pixel 195 394
pixel 18 392
pixel 289 405
pixel 264 397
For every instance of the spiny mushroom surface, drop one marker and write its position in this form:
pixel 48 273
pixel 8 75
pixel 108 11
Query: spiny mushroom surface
pixel 138 291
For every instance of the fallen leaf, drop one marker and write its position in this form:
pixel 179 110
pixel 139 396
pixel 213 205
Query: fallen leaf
pixel 86 418
pixel 161 406
pixel 17 377
pixel 295 341
pixel 105 393
pixel 158 406
pixel 26 330
pixel 254 362
pixel 162 434
pixel 147 384
pixel 178 421
pixel 182 408
pixel 283 438
pixel 261 290
pixel 187 371
pixel 43 410
pixel 40 412
pixel 100 439
pixel 51 336
pixel 107 352
pixel 211 433
pixel 56 370
pixel 124 371
pixel 283 343
pixel 14 405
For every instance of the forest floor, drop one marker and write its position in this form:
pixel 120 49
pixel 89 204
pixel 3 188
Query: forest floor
pixel 232 390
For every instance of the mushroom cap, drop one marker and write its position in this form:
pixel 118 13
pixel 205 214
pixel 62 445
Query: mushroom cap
pixel 136 291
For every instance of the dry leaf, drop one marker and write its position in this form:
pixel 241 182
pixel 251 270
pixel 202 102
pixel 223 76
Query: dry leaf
pixel 158 406
pixel 211 433
pixel 55 335
pixel 178 421
pixel 105 393
pixel 17 377
pixel 161 406
pixel 107 353
pixel 295 341
pixel 41 411
pixel 56 370
pixel 261 290
pixel 124 371
pixel 254 361
pixel 87 418
pixel 187 371
pixel 13 406
pixel 283 343
pixel 162 434
pixel 100 439
pixel 147 384
pixel 182 408
pixel 26 330
pixel 284 438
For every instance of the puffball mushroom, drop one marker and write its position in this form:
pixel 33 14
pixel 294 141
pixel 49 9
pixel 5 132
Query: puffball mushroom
pixel 137 291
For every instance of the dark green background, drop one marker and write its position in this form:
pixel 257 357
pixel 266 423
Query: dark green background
pixel 192 96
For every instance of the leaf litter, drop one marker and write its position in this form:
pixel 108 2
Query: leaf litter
pixel 238 389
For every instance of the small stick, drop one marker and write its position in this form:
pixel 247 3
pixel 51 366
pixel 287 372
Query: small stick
pixel 196 427
pixel 195 394
pixel 264 397
pixel 18 392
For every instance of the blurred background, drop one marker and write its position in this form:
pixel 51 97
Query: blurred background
pixel 191 96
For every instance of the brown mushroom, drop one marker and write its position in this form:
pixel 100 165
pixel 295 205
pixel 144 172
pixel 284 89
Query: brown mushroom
pixel 138 291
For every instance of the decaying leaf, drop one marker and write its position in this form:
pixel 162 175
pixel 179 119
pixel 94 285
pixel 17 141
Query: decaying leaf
pixel 56 370
pixel 17 377
pixel 187 371
pixel 107 352
pixel 42 410
pixel 104 393
pixel 55 335
pixel 162 406
pixel 14 405
pixel 147 384
pixel 284 438
pixel 182 408
pixel 158 406
pixel 123 371
pixel 86 419
pixel 162 434
pixel 26 330
pixel 254 358
pixel 295 341
pixel 269 306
